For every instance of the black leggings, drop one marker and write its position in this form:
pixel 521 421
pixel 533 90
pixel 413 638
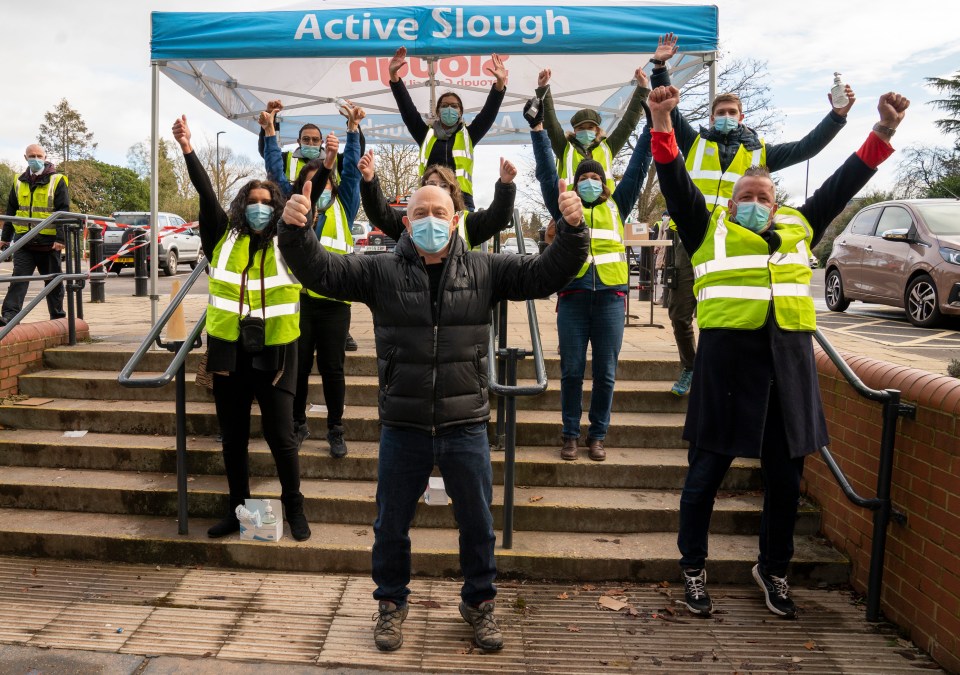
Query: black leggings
pixel 324 325
pixel 234 395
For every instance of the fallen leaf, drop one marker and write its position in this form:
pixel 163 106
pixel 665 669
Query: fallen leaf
pixel 664 584
pixel 611 603
pixel 535 499
pixel 563 596
pixel 34 571
pixel 433 604
pixel 810 644
pixel 573 629
pixel 589 587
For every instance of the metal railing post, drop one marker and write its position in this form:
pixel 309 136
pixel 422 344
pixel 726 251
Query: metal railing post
pixel 139 263
pixel 75 237
pixel 510 447
pixel 71 308
pixel 98 287
pixel 182 527
pixel 501 322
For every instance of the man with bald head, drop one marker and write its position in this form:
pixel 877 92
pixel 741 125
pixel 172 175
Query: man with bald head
pixel 431 302
pixel 756 391
pixel 36 193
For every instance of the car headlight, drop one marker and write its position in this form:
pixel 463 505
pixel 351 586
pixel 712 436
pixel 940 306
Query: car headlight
pixel 951 255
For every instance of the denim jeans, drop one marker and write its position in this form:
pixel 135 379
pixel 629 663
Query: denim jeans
pixel 595 317
pixel 407 457
pixel 781 499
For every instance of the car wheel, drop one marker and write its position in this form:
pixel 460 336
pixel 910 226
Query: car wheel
pixel 833 292
pixel 170 268
pixel 921 302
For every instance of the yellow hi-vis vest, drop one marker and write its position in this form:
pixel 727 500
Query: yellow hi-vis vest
pixel 606 244
pixel 278 305
pixel 703 165
pixel 462 157
pixel 736 276
pixel 293 165
pixel 335 236
pixel 567 166
pixel 37 203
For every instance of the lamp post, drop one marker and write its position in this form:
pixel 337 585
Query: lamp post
pixel 219 196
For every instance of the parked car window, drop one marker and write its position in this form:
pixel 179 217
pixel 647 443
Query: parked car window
pixel 865 222
pixel 941 219
pixel 893 218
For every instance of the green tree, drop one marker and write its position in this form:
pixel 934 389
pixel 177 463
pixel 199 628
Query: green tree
pixel 950 86
pixel 8 174
pixel 176 193
pixel 99 188
pixel 64 134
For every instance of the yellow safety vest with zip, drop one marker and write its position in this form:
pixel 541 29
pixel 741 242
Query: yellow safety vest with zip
pixel 335 236
pixel 462 157
pixel 607 252
pixel 567 166
pixel 736 276
pixel 293 165
pixel 36 203
pixel 703 165
pixel 278 304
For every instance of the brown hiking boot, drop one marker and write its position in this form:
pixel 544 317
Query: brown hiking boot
pixel 486 632
pixel 596 452
pixel 387 634
pixel 569 449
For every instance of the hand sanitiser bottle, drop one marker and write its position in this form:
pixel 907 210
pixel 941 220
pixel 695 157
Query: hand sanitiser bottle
pixel 838 94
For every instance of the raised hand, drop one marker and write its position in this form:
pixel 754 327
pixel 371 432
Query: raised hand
pixel 534 119
pixel 641 78
pixel 330 150
pixel 666 47
pixel 182 135
pixel 355 114
pixel 543 79
pixel 571 208
pixel 845 109
pixel 661 102
pixel 507 171
pixel 266 121
pixel 398 61
pixel 274 106
pixel 367 166
pixel 498 70
pixel 298 206
pixel 892 107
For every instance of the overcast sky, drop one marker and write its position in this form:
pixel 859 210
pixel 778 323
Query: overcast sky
pixel 96 55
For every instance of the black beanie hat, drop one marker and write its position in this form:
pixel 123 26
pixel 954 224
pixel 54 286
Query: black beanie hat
pixel 589 166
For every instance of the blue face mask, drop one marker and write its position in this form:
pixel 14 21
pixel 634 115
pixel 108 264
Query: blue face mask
pixel 309 151
pixel 725 125
pixel 752 215
pixel 589 190
pixel 586 136
pixel 324 199
pixel 258 216
pixel 449 115
pixel 430 234
pixel 36 165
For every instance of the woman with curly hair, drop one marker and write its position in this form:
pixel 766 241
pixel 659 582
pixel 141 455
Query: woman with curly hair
pixel 253 322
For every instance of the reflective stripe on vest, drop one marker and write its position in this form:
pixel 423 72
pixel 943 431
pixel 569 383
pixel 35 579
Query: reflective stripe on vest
pixel 703 165
pixel 36 203
pixel 278 304
pixel 462 157
pixel 736 277
pixel 335 236
pixel 293 166
pixel 567 167
pixel 607 252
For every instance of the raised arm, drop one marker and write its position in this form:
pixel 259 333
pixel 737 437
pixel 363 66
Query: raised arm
pixel 546 170
pixel 485 223
pixel 213 219
pixel 660 77
pixel 408 111
pixel 350 175
pixel 782 155
pixel 631 118
pixel 481 124
pixel 550 122
pixel 272 156
pixel 379 212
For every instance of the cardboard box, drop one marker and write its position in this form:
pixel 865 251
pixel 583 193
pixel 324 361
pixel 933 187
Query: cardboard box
pixel 635 232
pixel 436 493
pixel 249 531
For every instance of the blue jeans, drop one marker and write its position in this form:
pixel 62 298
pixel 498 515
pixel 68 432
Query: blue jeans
pixel 407 457
pixel 595 317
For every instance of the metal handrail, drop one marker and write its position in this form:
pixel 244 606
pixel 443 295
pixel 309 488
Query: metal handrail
pixel 507 358
pixel 177 367
pixel 41 224
pixel 881 505
pixel 55 280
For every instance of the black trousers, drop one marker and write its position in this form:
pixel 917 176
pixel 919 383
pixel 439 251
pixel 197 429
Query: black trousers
pixel 234 395
pixel 681 305
pixel 324 325
pixel 24 262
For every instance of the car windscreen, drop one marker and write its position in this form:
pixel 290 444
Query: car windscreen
pixel 138 220
pixel 941 219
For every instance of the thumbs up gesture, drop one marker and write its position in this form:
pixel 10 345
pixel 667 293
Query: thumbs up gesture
pixel 298 206
pixel 182 135
pixel 571 208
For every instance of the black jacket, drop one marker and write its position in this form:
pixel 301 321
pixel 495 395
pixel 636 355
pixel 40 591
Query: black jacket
pixel 61 202
pixel 432 366
pixel 735 370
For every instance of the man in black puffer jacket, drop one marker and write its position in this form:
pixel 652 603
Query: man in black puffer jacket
pixel 431 303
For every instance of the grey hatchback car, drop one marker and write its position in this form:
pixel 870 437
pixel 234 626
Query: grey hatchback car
pixel 904 253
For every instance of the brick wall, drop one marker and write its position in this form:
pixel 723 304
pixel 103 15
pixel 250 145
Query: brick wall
pixel 921 578
pixel 22 350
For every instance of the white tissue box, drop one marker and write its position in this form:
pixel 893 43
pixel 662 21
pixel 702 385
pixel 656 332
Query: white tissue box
pixel 435 494
pixel 265 532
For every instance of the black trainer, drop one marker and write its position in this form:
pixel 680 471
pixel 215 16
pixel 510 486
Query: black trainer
pixel 338 447
pixel 351 344
pixel 776 592
pixel 695 592
pixel 302 432
pixel 227 525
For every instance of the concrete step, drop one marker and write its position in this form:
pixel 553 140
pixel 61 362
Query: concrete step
pixel 647 557
pixel 113 356
pixel 653 468
pixel 551 509
pixel 630 396
pixel 627 430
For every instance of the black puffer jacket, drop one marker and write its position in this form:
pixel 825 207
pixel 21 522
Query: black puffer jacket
pixel 432 369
